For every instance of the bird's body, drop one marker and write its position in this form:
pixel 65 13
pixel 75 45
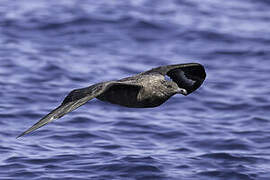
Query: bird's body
pixel 140 91
pixel 144 90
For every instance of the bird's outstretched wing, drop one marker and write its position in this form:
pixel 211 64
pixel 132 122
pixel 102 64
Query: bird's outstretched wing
pixel 73 100
pixel 187 76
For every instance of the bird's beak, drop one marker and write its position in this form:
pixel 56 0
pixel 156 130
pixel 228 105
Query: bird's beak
pixel 182 91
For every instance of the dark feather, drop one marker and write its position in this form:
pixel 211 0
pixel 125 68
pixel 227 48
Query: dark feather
pixel 187 76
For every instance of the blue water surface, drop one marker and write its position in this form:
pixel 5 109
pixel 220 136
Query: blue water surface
pixel 221 131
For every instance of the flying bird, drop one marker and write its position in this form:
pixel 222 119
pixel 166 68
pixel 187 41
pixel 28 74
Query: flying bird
pixel 144 90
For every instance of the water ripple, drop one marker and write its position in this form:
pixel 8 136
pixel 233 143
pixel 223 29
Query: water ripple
pixel 50 47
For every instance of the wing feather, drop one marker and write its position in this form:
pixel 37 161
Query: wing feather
pixel 73 100
pixel 187 76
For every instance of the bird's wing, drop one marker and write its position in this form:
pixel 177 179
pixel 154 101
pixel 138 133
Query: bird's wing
pixel 187 76
pixel 73 100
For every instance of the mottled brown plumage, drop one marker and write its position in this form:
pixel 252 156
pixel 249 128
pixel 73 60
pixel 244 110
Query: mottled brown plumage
pixel 144 90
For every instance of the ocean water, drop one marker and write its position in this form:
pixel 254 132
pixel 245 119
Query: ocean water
pixel 221 131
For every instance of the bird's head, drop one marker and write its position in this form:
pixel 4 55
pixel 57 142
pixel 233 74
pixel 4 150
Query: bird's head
pixel 173 88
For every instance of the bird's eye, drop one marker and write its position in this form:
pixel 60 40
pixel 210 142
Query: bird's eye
pixel 169 86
